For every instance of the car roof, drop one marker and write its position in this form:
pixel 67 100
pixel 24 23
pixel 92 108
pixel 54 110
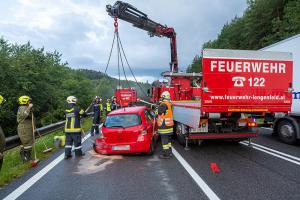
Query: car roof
pixel 128 110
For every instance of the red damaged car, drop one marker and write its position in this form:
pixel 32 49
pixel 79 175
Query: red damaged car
pixel 127 130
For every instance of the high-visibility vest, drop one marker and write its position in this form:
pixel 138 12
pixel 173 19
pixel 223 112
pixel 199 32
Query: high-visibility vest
pixel 108 107
pixel 72 124
pixel 101 107
pixel 165 121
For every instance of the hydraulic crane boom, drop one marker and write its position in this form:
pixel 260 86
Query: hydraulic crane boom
pixel 140 20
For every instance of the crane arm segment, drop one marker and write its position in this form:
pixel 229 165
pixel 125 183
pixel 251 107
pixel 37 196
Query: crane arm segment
pixel 129 13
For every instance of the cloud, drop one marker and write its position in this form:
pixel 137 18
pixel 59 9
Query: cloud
pixel 83 32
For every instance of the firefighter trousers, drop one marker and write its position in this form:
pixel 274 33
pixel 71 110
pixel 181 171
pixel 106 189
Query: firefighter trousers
pixel 76 139
pixel 95 128
pixel 166 141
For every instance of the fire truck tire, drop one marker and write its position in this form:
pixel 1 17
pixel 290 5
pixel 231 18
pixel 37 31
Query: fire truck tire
pixel 287 132
pixel 180 133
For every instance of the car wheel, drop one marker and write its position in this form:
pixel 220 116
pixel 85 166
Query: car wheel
pixel 287 132
pixel 180 133
pixel 94 147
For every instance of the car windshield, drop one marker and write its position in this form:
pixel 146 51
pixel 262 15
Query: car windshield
pixel 124 120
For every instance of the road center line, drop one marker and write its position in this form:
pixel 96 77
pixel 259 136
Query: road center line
pixel 271 153
pixel 200 182
pixel 25 186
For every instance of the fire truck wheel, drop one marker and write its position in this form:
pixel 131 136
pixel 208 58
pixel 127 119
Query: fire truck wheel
pixel 287 132
pixel 180 133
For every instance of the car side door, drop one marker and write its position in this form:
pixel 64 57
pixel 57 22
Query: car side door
pixel 150 121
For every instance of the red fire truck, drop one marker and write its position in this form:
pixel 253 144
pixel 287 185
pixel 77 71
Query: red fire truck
pixel 234 86
pixel 126 96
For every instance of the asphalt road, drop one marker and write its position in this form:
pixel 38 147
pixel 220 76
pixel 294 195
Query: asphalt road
pixel 258 172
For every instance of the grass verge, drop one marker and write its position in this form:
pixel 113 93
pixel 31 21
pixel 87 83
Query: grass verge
pixel 14 167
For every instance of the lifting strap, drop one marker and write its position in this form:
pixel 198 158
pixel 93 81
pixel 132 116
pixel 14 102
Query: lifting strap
pixel 121 55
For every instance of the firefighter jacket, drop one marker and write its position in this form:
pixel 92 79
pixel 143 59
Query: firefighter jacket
pixel 108 108
pixel 97 114
pixel 165 121
pixel 114 106
pixel 73 113
pixel 24 119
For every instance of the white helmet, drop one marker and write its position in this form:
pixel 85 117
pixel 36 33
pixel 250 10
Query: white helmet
pixel 165 95
pixel 72 99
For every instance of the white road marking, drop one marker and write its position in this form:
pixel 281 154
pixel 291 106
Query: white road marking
pixel 25 186
pixel 278 152
pixel 200 182
pixel 273 154
pixel 267 128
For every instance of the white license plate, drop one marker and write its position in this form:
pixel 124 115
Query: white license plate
pixel 242 123
pixel 121 147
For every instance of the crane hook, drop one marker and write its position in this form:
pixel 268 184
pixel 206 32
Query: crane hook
pixel 116 24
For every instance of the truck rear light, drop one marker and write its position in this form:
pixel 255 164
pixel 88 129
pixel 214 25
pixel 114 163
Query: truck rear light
pixel 252 124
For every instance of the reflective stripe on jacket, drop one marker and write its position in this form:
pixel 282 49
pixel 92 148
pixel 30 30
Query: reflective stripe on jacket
pixel 72 124
pixel 108 107
pixel 165 121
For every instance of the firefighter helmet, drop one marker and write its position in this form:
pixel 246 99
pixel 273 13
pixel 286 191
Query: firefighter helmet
pixel 24 100
pixel 165 95
pixel 97 97
pixel 72 99
pixel 108 100
pixel 2 100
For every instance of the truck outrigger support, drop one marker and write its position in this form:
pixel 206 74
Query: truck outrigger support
pixel 186 144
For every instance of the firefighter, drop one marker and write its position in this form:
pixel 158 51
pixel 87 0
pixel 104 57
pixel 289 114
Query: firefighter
pixel 101 107
pixel 2 137
pixel 97 115
pixel 107 106
pixel 73 127
pixel 24 119
pixel 165 124
pixel 114 104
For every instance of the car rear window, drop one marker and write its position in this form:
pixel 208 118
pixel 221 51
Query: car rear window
pixel 124 120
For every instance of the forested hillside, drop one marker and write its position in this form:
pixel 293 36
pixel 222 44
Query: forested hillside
pixel 44 77
pixel 263 23
pixel 105 85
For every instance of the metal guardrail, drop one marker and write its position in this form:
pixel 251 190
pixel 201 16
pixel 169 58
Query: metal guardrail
pixel 14 141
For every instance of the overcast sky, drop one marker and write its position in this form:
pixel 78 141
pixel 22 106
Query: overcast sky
pixel 82 31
